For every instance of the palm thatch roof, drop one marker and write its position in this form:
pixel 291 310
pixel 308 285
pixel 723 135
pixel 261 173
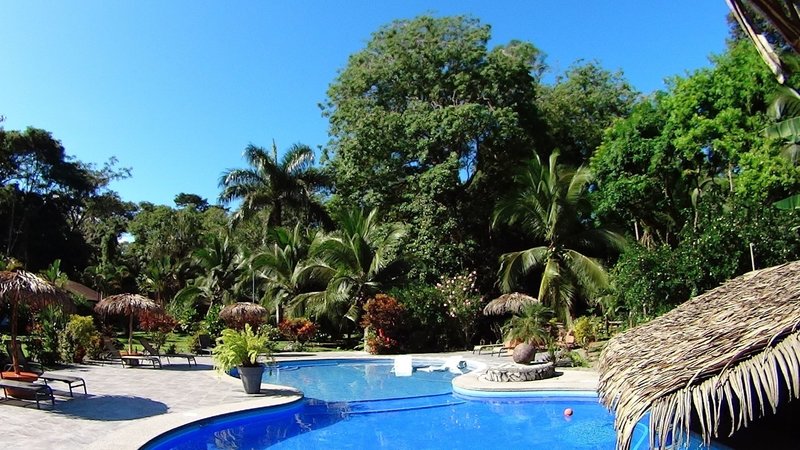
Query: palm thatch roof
pixel 237 314
pixel 508 303
pixel 25 287
pixel 125 304
pixel 729 356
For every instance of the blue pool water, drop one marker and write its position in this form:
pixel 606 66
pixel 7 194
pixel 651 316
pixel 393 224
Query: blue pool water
pixel 361 404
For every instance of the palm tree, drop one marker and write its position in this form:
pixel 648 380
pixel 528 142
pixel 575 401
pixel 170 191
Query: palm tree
pixel 531 325
pixel 283 270
pixel 220 263
pixel 289 184
pixel 550 204
pixel 157 277
pixel 361 258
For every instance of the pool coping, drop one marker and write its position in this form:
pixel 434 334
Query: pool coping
pixel 135 436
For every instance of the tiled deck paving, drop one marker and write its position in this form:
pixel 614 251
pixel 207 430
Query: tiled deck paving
pixel 126 406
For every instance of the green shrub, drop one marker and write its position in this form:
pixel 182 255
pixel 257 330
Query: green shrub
pixel 79 339
pixel 462 303
pixel 576 359
pixel 427 316
pixel 48 324
pixel 586 329
pixel 212 323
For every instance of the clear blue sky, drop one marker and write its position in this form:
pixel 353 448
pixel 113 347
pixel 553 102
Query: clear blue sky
pixel 176 89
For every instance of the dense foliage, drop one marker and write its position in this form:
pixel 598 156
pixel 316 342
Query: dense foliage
pixel 454 173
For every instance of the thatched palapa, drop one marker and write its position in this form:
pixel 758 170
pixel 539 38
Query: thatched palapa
pixel 237 314
pixel 126 304
pixel 730 355
pixel 24 287
pixel 508 303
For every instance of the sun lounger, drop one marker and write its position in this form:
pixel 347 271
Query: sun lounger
pixel 505 349
pixel 71 381
pixel 482 347
pixel 130 360
pixel 148 347
pixel 24 364
pixel 38 391
pixel 205 344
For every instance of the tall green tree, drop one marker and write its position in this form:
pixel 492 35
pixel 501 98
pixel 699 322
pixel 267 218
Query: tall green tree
pixel 707 126
pixel 44 200
pixel 551 205
pixel 425 121
pixel 581 104
pixel 289 185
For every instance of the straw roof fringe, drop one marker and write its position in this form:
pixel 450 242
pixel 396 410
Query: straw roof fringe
pixel 125 304
pixel 25 287
pixel 738 344
pixel 508 303
pixel 242 312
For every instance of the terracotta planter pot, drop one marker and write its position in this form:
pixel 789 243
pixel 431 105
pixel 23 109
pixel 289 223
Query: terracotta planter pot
pixel 524 353
pixel 251 378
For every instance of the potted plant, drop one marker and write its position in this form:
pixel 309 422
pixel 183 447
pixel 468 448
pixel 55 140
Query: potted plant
pixel 240 349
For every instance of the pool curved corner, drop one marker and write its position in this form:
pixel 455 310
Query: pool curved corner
pixel 146 431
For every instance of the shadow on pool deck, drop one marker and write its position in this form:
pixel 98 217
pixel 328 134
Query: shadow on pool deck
pixel 110 407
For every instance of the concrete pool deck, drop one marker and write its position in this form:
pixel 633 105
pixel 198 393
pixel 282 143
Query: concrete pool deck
pixel 126 407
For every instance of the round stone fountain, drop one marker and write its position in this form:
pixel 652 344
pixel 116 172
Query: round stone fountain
pixel 510 372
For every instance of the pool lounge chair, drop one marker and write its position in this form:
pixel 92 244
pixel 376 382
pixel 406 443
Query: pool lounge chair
pixel 506 348
pixel 37 391
pixel 130 360
pixel 28 366
pixel 206 345
pixel 148 347
pixel 490 347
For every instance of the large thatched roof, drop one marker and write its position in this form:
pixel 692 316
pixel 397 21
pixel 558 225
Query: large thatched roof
pixel 738 344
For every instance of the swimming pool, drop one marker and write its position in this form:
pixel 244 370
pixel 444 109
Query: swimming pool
pixel 361 404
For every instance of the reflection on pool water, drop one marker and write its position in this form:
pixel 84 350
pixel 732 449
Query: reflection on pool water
pixel 359 404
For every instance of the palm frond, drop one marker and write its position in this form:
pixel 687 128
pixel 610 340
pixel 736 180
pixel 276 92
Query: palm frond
pixel 589 272
pixel 515 264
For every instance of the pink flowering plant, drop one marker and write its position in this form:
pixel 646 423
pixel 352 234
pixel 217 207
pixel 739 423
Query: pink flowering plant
pixel 462 303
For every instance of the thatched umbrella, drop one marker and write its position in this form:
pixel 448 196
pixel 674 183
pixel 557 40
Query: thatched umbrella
pixel 236 315
pixel 508 303
pixel 24 287
pixel 724 356
pixel 128 305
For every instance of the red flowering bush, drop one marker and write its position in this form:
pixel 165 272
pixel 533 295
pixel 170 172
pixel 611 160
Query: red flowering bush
pixel 383 321
pixel 299 329
pixel 155 321
pixel 158 325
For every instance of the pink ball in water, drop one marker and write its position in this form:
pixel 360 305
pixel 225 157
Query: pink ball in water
pixel 568 412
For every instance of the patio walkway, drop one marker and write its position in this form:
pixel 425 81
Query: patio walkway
pixel 122 402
